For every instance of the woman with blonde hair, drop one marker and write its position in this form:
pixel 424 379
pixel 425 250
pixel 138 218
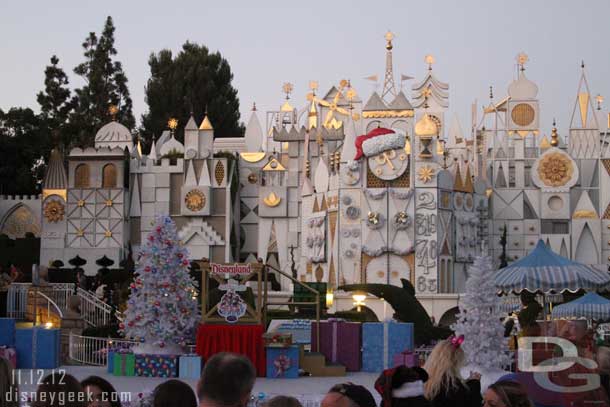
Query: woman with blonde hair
pixel 445 386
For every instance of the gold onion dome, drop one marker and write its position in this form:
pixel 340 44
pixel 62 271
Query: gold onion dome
pixel 426 127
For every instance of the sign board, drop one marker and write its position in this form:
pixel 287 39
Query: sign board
pixel 231 269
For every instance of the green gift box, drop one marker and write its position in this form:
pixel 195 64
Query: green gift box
pixel 124 364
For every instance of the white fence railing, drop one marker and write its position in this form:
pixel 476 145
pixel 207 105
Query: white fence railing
pixel 51 306
pixel 94 311
pixel 89 350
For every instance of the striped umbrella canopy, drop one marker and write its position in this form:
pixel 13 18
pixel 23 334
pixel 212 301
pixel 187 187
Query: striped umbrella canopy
pixel 543 270
pixel 590 305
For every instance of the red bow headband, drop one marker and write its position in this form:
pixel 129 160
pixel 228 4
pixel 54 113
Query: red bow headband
pixel 456 341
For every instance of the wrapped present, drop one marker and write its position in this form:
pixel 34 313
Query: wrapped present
pixel 37 348
pixel 406 358
pixel 340 342
pixel 9 354
pixel 189 367
pixel 277 339
pixel 110 361
pixel 156 365
pixel 283 363
pixel 381 341
pixel 7 332
pixel 124 364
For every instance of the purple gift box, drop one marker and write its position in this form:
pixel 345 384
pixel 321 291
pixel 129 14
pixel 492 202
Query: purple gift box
pixel 406 358
pixel 9 354
pixel 340 342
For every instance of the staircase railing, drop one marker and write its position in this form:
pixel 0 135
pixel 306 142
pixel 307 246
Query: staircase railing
pixel 93 310
pixel 50 305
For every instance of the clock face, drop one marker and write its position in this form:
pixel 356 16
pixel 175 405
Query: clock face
pixel 194 200
pixel 389 164
pixel 350 176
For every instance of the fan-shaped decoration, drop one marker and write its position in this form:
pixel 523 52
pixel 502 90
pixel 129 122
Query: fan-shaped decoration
pixel 54 211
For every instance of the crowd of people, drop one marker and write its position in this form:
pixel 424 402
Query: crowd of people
pixel 227 380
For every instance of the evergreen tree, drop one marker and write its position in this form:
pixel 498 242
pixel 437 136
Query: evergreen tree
pixel 105 85
pixel 503 241
pixel 479 319
pixel 162 308
pixel 21 153
pixel 192 81
pixel 56 105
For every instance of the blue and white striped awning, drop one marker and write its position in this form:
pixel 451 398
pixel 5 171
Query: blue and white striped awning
pixel 590 305
pixel 543 270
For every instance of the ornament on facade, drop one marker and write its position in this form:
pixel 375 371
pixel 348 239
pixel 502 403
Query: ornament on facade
pixel 272 200
pixel 555 169
pixel 54 211
pixel 425 174
pixel 374 220
pixel 194 200
pixel 402 220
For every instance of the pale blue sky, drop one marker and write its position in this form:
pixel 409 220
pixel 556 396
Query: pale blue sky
pixel 271 42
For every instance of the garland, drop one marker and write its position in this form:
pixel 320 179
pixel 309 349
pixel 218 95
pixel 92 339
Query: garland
pixel 396 193
pixel 375 194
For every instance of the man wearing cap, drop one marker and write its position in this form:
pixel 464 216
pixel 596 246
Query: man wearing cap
pixel 348 395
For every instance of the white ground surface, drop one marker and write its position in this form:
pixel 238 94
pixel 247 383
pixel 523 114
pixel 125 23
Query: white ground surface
pixel 309 389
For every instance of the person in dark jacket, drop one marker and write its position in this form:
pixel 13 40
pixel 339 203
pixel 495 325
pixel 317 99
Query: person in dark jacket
pixel 445 386
pixel 402 386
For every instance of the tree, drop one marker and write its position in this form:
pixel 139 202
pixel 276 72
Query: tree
pixel 56 104
pixel 479 319
pixel 23 146
pixel 503 241
pixel 193 81
pixel 162 308
pixel 105 85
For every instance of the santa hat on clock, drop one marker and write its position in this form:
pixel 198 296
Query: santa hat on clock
pixel 377 141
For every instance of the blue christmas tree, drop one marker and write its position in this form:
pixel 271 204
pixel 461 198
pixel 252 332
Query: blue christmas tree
pixel 162 309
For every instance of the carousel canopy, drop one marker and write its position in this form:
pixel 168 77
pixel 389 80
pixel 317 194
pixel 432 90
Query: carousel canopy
pixel 590 305
pixel 543 270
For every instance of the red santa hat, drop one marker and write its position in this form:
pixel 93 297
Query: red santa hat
pixel 378 140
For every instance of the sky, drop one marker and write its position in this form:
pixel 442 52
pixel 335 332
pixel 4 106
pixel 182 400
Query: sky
pixel 267 43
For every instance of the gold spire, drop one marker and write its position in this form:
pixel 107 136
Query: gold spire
pixel 205 124
pixel 554 136
pixel 389 36
pixel 429 59
pixel 312 116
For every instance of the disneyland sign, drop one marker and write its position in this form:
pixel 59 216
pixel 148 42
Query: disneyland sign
pixel 231 269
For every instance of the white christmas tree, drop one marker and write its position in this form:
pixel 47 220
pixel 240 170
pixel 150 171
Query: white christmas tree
pixel 162 309
pixel 480 318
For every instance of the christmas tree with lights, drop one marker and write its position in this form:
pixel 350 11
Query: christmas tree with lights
pixel 162 309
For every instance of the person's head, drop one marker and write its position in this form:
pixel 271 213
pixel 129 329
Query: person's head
pixel 443 367
pixel 174 393
pixel 227 380
pixel 59 389
pixel 283 401
pixel 100 393
pixel 506 394
pixel 348 395
pixel 9 395
pixel 527 298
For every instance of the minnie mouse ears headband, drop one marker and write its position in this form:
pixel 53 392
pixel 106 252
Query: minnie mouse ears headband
pixel 456 341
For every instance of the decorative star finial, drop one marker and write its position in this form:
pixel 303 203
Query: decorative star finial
pixel 287 88
pixel 429 59
pixel 313 86
pixel 599 99
pixel 172 123
pixel 522 59
pixel 113 110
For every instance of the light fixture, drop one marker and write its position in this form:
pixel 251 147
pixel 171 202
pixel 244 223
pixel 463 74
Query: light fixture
pixel 408 145
pixel 330 298
pixel 48 325
pixel 359 298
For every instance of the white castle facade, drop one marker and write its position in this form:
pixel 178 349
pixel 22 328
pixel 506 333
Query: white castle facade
pixel 342 191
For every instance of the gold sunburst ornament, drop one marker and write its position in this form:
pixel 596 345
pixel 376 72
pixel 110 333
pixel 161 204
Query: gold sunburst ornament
pixel 194 200
pixel 555 170
pixel 172 123
pixel 425 174
pixel 54 211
